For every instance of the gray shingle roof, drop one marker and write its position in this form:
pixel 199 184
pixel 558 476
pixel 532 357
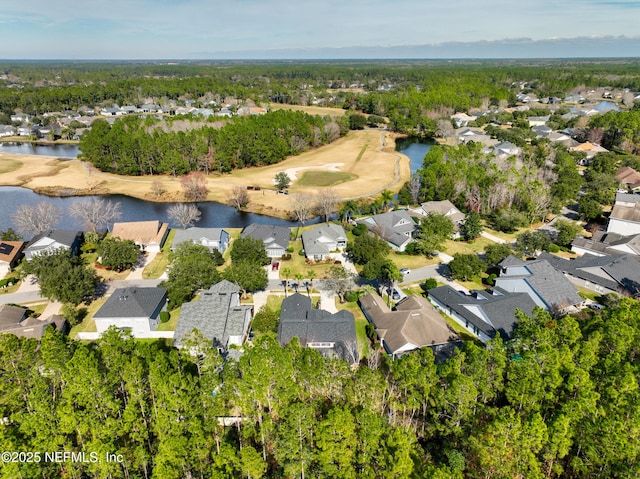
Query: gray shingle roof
pixel 616 272
pixel 64 237
pixel 195 234
pixel 395 227
pixel 547 283
pixel 298 319
pixel 496 312
pixel 319 240
pixel 216 315
pixel 269 234
pixel 133 302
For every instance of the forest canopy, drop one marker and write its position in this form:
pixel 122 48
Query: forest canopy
pixel 138 146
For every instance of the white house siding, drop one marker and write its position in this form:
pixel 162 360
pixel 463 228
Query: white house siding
pixel 461 321
pixel 275 252
pixel 625 228
pixel 137 325
pixel 582 252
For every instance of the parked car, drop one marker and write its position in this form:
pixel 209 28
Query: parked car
pixel 275 266
pixel 405 270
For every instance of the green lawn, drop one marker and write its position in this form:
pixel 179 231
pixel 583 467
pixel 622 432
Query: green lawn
pixel 173 320
pixel 158 266
pixel 411 262
pixel 325 178
pixel 460 331
pixel 160 263
pixel 361 323
pixel 464 247
pixel 297 264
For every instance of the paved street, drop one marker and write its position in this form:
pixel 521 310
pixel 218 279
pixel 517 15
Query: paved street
pixel 439 272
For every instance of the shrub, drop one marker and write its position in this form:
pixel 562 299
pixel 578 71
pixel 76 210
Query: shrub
pixel 412 249
pixel 430 283
pixel 359 229
pixel 351 296
pixel 164 316
pixel 286 257
pixel 290 249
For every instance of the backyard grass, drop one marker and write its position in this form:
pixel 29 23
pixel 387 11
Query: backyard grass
pixel 8 165
pixel 465 247
pixel 325 178
pixel 274 301
pixel 297 264
pixel 158 266
pixel 38 308
pixel 88 325
pixel 234 234
pixel 411 262
pixel 361 323
pixel 160 263
pixel 460 331
pixel 173 320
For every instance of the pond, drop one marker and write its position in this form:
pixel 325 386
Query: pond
pixel 59 150
pixel 415 149
pixel 214 215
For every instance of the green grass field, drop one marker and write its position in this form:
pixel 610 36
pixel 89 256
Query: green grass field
pixel 325 178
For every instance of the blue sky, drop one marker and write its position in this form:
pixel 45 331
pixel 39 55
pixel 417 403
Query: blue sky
pixel 196 29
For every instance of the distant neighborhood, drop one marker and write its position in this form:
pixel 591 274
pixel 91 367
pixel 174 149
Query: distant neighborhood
pixel 396 315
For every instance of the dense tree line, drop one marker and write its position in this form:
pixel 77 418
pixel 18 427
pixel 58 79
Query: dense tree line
pixel 136 146
pixel 560 400
pixel 410 93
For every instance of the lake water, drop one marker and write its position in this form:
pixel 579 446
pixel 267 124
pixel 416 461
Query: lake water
pixel 214 215
pixel 414 149
pixel 59 150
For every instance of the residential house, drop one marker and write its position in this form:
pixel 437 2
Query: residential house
pixel 414 324
pixel 506 148
pixel 14 320
pixel 483 314
pixel 462 119
pixel 135 309
pixel 603 243
pixel 477 136
pixel 547 287
pixel 52 241
pixel 542 131
pixel 444 207
pixel 395 227
pixel 218 315
pixel 538 120
pixel 629 177
pixel 129 109
pixel 7 130
pixel 212 238
pixel 275 238
pixel 589 148
pixel 21 118
pixel 574 98
pixel 10 255
pixel 603 274
pixel 319 242
pixel 625 215
pixel 149 235
pixel 112 111
pixel 333 335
